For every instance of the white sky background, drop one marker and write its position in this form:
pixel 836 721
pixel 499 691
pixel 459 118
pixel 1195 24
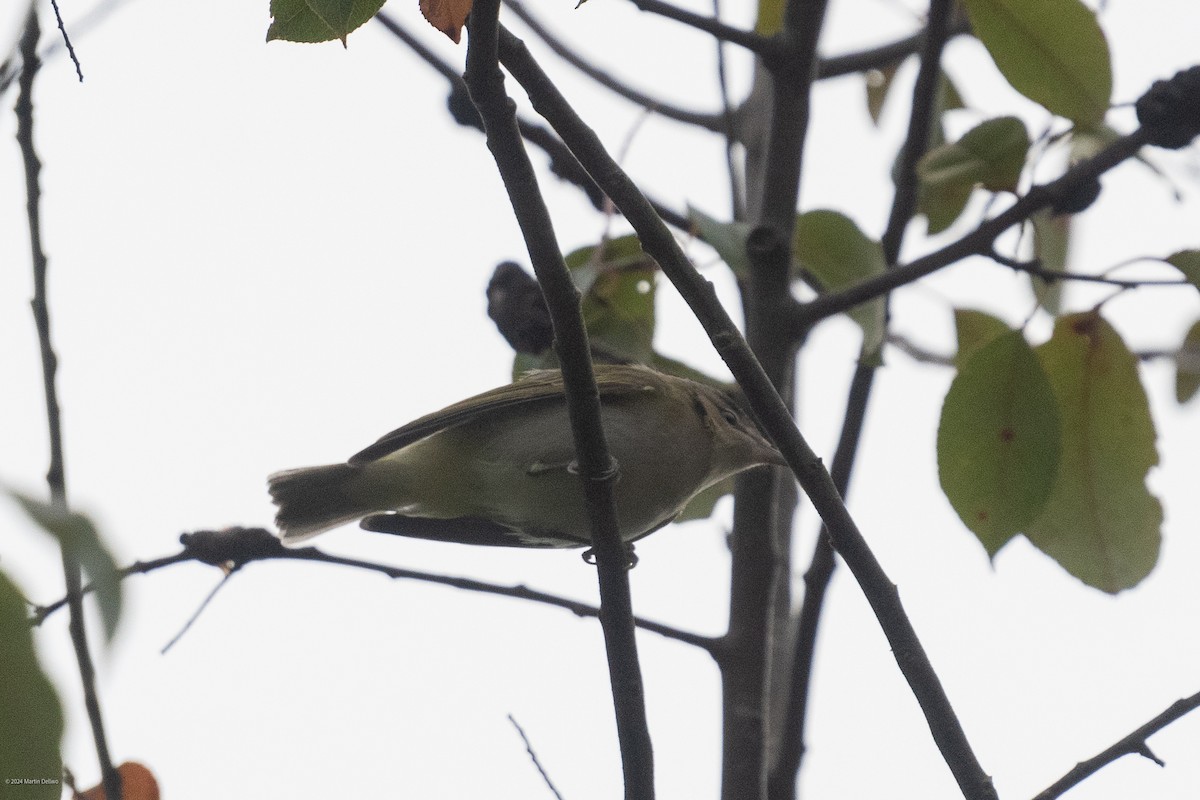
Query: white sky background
pixel 265 256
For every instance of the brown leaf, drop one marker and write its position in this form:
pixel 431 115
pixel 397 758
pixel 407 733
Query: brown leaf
pixel 137 783
pixel 448 16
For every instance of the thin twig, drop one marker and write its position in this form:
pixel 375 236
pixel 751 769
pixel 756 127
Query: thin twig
pixel 534 757
pixel 737 203
pixel 711 122
pixel 882 55
pixel 67 40
pixel 1034 267
pixel 196 615
pixel 977 242
pixel 770 50
pixel 55 476
pixel 766 403
pixel 598 472
pixel 1133 744
pixel 233 548
pixel 562 161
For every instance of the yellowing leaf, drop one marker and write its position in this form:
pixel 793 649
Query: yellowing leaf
pixel 1052 249
pixel 448 16
pixel 319 20
pixel 1051 51
pixel 839 255
pixel 1187 365
pixel 975 329
pixel 999 440
pixel 31 721
pixel 1101 523
pixel 137 783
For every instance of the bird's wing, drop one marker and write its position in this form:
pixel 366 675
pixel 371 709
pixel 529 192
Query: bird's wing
pixel 534 388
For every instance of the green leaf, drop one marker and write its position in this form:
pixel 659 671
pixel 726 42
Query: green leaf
pixel 1051 51
pixel 991 154
pixel 949 98
pixel 1101 523
pixel 1052 249
pixel 942 205
pixel 617 281
pixel 31 719
pixel 319 20
pixel 1187 262
pixel 727 238
pixel 999 440
pixel 1187 365
pixel 839 255
pixel 975 329
pixel 79 539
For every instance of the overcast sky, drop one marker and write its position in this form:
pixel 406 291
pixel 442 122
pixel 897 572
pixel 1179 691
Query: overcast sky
pixel 266 255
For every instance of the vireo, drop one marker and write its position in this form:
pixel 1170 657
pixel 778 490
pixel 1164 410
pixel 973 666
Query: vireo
pixel 496 469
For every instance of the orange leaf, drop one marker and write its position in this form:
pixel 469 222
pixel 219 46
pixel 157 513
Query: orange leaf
pixel 448 16
pixel 137 783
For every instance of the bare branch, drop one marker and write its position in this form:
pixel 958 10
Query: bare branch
pixel 562 161
pixel 534 757
pixel 767 405
pixel 597 470
pixel 708 121
pixel 1133 744
pixel 770 50
pixel 233 548
pixel 55 476
pixel 822 564
pixel 1034 267
pixel 882 55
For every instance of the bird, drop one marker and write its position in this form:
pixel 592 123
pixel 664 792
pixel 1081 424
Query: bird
pixel 499 468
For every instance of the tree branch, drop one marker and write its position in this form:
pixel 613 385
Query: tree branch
pixel 979 241
pixel 1034 267
pixel 700 119
pixel 822 564
pixel 233 548
pixel 766 403
pixel 55 476
pixel 765 48
pixel 1133 744
pixel 533 756
pixel 597 470
pixel 761 557
pixel 562 161
pixel 882 55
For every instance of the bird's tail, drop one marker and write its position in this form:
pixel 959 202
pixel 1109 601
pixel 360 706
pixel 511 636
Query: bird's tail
pixel 312 500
